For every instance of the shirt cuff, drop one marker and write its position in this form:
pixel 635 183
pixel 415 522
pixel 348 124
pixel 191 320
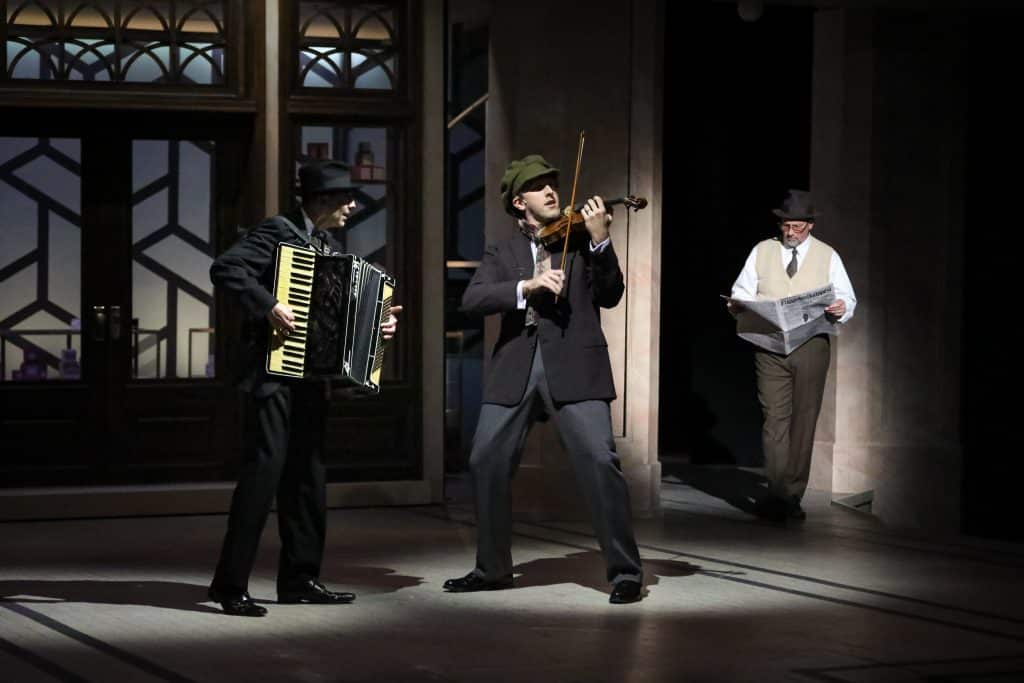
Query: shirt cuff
pixel 520 299
pixel 598 248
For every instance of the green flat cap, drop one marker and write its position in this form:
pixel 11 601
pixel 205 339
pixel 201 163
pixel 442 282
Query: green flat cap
pixel 520 172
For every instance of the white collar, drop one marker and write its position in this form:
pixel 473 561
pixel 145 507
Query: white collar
pixel 801 250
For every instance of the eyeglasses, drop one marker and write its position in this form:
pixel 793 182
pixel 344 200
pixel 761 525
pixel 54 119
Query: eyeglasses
pixel 794 226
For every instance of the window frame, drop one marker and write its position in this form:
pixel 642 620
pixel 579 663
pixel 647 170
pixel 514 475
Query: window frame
pixel 244 23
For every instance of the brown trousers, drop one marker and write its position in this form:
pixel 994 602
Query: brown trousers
pixel 790 389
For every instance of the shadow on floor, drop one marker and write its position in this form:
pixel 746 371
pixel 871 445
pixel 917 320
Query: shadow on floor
pixel 166 594
pixel 372 579
pixel 740 488
pixel 180 596
pixel 587 569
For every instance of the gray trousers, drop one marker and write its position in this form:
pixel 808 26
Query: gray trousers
pixel 585 429
pixel 790 389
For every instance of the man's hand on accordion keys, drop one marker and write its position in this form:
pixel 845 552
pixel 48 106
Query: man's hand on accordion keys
pixel 389 327
pixel 282 319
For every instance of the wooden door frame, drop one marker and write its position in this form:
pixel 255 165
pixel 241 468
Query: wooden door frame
pixel 425 156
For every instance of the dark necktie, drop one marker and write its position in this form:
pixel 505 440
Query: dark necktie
pixel 541 264
pixel 320 241
pixel 791 268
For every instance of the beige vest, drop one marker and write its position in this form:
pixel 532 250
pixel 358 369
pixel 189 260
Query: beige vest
pixel 772 281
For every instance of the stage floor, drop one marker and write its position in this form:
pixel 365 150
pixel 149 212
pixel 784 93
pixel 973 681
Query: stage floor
pixel 731 598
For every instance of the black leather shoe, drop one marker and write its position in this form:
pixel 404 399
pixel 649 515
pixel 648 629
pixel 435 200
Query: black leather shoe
pixel 625 591
pixel 795 511
pixel 773 509
pixel 474 582
pixel 237 605
pixel 314 593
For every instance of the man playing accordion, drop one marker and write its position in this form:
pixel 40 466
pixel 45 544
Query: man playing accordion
pixel 284 438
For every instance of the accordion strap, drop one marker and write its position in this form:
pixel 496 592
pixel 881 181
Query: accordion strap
pixel 298 233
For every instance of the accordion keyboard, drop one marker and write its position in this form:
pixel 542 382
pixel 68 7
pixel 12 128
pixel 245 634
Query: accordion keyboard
pixel 294 287
pixel 378 359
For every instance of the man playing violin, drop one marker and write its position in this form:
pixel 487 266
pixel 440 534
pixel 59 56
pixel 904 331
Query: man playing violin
pixel 551 358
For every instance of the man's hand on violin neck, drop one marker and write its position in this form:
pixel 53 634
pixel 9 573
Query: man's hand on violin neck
pixel 551 281
pixel 597 219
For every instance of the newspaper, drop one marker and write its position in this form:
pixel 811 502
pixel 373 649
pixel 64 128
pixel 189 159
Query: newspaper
pixel 783 325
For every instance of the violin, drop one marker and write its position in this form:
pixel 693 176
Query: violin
pixel 556 230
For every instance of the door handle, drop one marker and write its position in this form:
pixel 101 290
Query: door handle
pixel 99 323
pixel 115 323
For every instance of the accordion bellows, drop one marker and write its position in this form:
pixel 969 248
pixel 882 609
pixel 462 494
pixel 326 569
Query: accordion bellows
pixel 339 302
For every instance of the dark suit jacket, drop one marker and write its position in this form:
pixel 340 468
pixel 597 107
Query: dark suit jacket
pixel 573 346
pixel 247 271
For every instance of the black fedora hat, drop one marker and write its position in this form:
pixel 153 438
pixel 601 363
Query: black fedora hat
pixel 797 206
pixel 318 177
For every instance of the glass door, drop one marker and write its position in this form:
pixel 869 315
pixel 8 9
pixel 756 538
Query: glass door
pixel 108 342
pixel 47 373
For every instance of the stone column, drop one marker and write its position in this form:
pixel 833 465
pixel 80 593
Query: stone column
pixel 888 155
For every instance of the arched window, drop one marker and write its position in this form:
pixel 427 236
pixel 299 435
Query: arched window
pixel 348 46
pixel 182 42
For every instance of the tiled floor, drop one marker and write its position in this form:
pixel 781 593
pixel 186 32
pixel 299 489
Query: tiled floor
pixel 731 598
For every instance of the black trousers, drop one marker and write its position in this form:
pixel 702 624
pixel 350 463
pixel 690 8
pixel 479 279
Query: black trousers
pixel 283 458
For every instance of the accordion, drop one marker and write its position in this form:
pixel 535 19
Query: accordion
pixel 339 302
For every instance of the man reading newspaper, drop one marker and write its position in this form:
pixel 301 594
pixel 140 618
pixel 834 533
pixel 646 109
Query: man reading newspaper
pixel 791 294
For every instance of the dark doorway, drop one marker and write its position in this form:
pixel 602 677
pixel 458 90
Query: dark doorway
pixel 992 474
pixel 737 135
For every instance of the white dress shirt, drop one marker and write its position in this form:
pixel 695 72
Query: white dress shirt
pixel 594 249
pixel 745 287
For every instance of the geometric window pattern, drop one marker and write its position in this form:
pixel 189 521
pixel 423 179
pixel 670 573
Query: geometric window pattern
pixel 347 46
pixel 172 249
pixel 366 151
pixel 40 258
pixel 466 196
pixel 135 41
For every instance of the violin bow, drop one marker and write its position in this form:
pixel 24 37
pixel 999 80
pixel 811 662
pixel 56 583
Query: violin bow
pixel 572 199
